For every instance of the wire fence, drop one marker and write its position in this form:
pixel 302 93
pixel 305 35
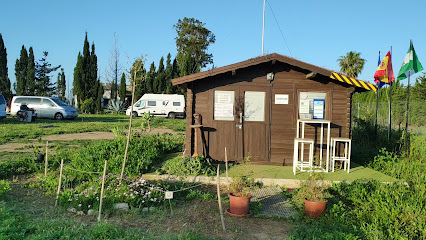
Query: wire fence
pixel 416 116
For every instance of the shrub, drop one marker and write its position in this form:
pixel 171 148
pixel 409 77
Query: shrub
pixel 185 166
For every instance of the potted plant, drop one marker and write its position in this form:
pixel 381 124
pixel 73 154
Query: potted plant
pixel 314 195
pixel 239 191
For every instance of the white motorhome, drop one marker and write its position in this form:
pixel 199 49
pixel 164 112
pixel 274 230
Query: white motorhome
pixel 165 105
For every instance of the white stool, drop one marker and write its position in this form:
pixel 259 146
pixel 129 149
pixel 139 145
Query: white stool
pixel 300 163
pixel 346 159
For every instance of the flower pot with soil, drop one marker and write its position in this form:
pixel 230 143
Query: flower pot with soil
pixel 239 192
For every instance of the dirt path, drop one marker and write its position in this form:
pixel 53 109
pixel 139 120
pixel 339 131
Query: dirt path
pixel 28 147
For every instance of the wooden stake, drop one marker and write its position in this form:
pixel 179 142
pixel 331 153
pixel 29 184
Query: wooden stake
pixel 226 165
pixel 130 130
pixel 218 199
pixel 60 181
pixel 102 191
pixel 45 159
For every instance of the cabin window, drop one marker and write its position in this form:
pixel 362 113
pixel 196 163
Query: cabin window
pixel 152 103
pixel 224 105
pixel 254 106
pixel 165 103
pixel 312 105
pixel 176 104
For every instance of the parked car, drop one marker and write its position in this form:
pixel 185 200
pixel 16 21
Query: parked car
pixel 165 105
pixel 45 107
pixel 3 104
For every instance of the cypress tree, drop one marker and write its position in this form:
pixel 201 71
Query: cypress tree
pixel 4 78
pixel 78 87
pixel 169 74
pixel 31 84
pixel 61 85
pixel 21 72
pixel 122 90
pixel 93 79
pixel 159 81
pixel 149 82
pixel 85 76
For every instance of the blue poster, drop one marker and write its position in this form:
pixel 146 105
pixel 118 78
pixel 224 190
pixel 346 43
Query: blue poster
pixel 318 109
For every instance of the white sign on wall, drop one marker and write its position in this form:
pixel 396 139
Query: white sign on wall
pixel 281 98
pixel 224 105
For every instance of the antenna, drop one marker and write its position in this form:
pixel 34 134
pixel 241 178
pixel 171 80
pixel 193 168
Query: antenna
pixel 263 28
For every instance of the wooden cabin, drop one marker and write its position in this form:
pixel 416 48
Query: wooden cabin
pixel 252 108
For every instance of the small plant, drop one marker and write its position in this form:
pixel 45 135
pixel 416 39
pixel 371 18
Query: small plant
pixel 313 189
pixel 4 186
pixel 146 117
pixel 242 180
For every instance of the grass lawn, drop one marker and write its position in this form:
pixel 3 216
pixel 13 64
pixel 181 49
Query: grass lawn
pixel 285 172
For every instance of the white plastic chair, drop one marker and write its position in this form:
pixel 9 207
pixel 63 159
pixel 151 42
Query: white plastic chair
pixel 300 163
pixel 346 158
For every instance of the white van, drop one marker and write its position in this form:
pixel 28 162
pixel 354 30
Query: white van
pixel 165 105
pixel 45 107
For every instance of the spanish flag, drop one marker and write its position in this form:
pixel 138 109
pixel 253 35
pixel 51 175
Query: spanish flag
pixel 384 73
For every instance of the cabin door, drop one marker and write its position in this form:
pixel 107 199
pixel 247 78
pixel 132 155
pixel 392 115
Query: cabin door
pixel 253 123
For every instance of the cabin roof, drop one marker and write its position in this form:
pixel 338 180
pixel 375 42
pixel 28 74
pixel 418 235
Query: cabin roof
pixel 361 85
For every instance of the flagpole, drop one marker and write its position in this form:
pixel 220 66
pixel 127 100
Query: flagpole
pixel 377 103
pixel 406 123
pixel 390 103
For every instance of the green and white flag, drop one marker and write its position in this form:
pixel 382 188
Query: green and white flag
pixel 410 64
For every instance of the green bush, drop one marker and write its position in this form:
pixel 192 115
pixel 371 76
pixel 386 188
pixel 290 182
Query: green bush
pixel 17 167
pixel 144 152
pixel 185 166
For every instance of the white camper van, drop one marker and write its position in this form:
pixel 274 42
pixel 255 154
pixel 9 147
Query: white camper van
pixel 165 105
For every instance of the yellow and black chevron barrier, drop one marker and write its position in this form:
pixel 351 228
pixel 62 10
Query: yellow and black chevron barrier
pixel 353 81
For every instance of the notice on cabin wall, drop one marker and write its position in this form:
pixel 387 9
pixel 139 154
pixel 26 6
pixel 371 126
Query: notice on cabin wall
pixel 304 106
pixel 224 105
pixel 281 98
pixel 318 109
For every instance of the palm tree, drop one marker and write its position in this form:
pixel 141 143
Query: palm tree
pixel 351 64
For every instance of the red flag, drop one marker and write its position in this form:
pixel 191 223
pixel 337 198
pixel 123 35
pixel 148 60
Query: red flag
pixel 384 72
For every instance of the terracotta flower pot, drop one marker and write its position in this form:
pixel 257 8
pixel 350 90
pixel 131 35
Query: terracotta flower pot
pixel 314 209
pixel 239 206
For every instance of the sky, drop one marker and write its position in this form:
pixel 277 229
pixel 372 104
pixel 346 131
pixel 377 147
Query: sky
pixel 316 32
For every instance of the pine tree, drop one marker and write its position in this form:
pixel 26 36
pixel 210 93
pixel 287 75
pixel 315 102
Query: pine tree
pixel 122 90
pixel 4 78
pixel 31 84
pixel 149 83
pixel 43 86
pixel 21 72
pixel 192 42
pixel 159 81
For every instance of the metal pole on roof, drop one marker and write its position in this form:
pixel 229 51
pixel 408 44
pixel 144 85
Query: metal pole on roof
pixel 263 28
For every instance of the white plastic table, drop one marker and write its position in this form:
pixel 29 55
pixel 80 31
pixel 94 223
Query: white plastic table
pixel 322 122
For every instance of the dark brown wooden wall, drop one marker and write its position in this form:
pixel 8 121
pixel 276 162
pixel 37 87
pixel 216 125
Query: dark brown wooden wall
pixel 288 80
